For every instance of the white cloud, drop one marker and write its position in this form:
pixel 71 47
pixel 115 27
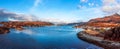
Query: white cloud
pixel 57 17
pixel 59 20
pixel 110 6
pixel 87 4
pixel 83 0
pixel 108 1
pixel 91 4
pixel 22 17
pixel 35 5
pixel 10 16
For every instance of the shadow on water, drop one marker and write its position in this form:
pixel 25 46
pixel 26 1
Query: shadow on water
pixel 50 37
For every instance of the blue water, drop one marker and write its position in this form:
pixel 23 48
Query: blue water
pixel 49 37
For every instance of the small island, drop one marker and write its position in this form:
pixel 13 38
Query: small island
pixel 19 25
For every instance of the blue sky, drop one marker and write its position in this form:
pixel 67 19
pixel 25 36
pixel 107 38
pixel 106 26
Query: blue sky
pixel 58 10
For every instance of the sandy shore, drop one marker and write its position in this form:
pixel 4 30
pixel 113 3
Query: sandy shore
pixel 99 41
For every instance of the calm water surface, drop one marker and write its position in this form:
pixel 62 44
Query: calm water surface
pixel 49 37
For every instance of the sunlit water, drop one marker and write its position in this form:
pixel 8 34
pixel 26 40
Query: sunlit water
pixel 50 37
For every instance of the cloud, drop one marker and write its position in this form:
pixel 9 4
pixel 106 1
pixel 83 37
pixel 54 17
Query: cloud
pixel 88 4
pixel 10 16
pixel 23 17
pixel 58 20
pixel 110 6
pixel 83 0
pixel 35 5
pixel 108 1
pixel 91 4
pixel 4 15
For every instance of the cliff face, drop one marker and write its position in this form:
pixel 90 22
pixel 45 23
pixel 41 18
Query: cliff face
pixel 115 18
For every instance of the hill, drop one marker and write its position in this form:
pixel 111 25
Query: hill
pixel 107 21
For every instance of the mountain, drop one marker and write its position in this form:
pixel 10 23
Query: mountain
pixel 115 18
pixel 107 21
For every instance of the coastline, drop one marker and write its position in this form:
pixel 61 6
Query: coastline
pixel 99 41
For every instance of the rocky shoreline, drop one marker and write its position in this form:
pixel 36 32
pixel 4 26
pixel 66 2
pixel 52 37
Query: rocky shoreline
pixel 99 41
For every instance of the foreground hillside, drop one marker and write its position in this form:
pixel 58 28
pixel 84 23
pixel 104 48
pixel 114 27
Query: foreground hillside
pixel 104 32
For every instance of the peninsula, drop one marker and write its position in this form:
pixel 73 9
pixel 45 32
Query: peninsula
pixel 103 32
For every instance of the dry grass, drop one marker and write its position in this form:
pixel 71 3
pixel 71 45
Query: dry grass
pixel 91 32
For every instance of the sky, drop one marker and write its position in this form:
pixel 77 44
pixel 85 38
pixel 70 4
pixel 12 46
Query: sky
pixel 62 10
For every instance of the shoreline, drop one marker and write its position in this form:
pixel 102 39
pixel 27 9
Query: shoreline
pixel 99 41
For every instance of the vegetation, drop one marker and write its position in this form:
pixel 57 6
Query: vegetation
pixel 113 34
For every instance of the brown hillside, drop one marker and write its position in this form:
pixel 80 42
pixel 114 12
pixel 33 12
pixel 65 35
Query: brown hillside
pixel 107 21
pixel 115 18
